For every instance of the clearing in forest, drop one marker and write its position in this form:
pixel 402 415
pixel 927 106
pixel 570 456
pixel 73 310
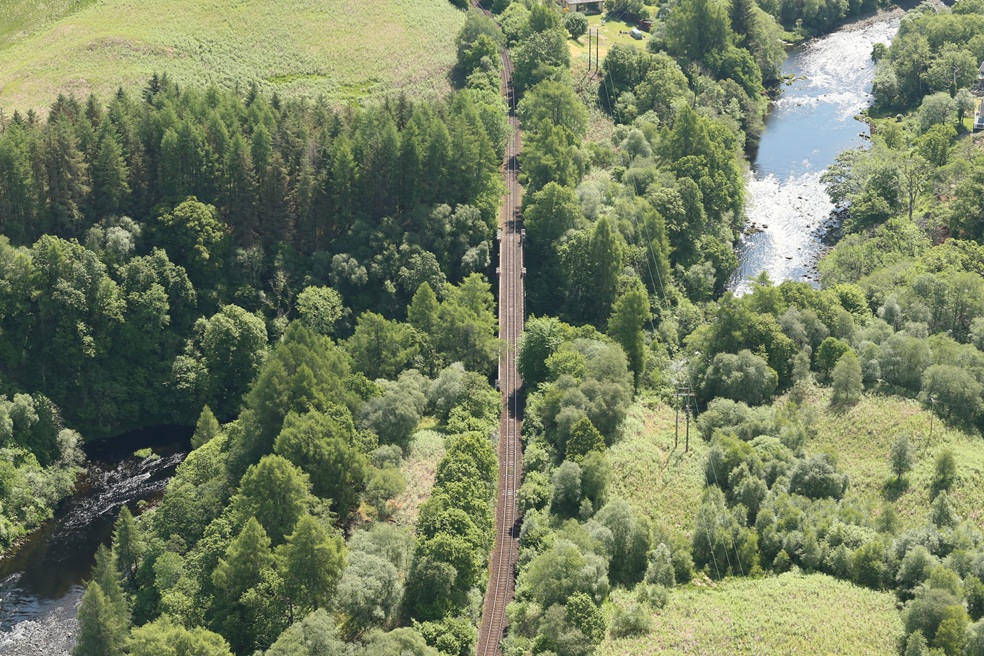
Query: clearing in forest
pixel 342 49
pixel 787 614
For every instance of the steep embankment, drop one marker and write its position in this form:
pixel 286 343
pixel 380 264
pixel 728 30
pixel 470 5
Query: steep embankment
pixel 77 47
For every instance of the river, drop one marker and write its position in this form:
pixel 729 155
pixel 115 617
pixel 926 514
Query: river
pixel 788 210
pixel 41 581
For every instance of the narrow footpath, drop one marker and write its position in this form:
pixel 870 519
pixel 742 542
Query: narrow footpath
pixel 502 563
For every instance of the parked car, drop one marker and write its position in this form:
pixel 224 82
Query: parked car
pixel 978 123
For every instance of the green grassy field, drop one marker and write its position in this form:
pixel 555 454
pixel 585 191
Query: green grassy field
pixel 663 482
pixel 862 436
pixel 787 614
pixel 609 33
pixel 342 49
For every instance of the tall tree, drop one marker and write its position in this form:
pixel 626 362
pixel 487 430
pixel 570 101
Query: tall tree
pixel 127 546
pixel 696 29
pixel 322 445
pixel 67 177
pixel 274 492
pixel 312 560
pixel 102 631
pixel 206 428
pixel 605 265
pixel 110 190
pixel 629 316
pixel 239 204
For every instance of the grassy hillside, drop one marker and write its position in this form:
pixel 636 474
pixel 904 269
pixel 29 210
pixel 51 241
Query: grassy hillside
pixel 788 614
pixel 343 49
pixel 862 436
pixel 663 482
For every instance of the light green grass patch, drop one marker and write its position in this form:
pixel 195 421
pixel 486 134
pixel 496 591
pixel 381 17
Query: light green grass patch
pixel 861 437
pixel 781 615
pixel 419 468
pixel 21 18
pixel 609 33
pixel 342 49
pixel 660 480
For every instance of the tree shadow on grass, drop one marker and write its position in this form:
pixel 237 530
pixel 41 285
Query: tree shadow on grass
pixel 894 488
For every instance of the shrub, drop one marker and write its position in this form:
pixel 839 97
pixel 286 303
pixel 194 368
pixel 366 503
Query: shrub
pixel 743 377
pixel 953 391
pixel 847 380
pixel 631 620
pixel 576 24
pixel 816 477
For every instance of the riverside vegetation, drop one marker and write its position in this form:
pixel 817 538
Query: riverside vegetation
pixel 309 283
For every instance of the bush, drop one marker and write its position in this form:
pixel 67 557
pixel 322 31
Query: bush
pixel 631 620
pixel 743 377
pixel 952 391
pixel 816 477
pixel 847 380
pixel 576 24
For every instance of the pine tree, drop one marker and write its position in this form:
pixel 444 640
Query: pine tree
pixel 605 264
pixel 584 438
pixel 245 559
pixel 411 167
pixel 275 217
pixel 18 185
pixel 658 251
pixel 126 546
pixel 101 630
pixel 207 428
pixel 239 191
pixel 742 16
pixel 110 190
pixel 312 561
pixel 67 177
pixel 436 166
pixel 629 316
pixel 107 575
pixel 303 203
pixel 342 186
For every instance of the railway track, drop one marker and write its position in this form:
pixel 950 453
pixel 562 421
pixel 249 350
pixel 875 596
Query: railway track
pixel 512 312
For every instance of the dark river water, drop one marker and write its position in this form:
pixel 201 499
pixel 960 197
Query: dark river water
pixel 41 581
pixel 806 127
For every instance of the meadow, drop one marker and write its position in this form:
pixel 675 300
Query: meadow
pixel 341 49
pixel 665 483
pixel 860 438
pixel 661 480
pixel 610 32
pixel 419 468
pixel 788 614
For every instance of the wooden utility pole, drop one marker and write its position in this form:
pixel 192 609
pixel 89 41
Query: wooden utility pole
pixel 684 393
pixel 686 447
pixel 597 48
pixel 676 436
pixel 589 50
